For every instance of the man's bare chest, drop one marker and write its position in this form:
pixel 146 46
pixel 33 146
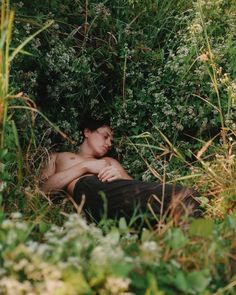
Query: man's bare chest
pixel 67 161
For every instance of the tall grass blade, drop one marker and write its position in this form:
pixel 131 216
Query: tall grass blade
pixel 212 75
pixel 205 147
pixel 46 119
pixel 18 154
pixel 22 45
pixel 170 144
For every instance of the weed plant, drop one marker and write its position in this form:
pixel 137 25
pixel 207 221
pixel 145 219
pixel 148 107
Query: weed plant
pixel 216 176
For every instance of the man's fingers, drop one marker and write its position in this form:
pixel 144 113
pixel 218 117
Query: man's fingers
pixel 104 171
pixel 105 176
pixel 112 178
pixel 109 174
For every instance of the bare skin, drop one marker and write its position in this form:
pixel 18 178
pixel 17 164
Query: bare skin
pixel 64 169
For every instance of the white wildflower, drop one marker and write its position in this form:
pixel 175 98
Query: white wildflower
pixel 48 287
pixel 76 220
pixel 2 272
pixel 32 246
pixel 149 246
pixel 151 253
pixel 21 226
pixel 21 264
pixel 102 254
pixel 6 224
pixel 16 215
pixel 117 285
pixel 42 249
pixel 102 10
pixel 99 255
pixel 50 271
pixel 11 237
pixel 195 29
pixel 10 285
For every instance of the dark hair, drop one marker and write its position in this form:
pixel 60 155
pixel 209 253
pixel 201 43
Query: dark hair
pixel 93 124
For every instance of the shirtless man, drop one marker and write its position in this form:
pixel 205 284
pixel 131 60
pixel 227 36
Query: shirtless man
pixel 90 172
pixel 64 169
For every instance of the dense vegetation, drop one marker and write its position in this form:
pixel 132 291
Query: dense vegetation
pixel 165 72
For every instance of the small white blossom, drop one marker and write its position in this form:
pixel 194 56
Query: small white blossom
pixel 16 215
pixel 149 246
pixel 117 286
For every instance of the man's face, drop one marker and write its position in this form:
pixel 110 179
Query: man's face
pixel 99 141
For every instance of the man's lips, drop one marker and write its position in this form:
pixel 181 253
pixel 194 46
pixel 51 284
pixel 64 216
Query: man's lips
pixel 105 149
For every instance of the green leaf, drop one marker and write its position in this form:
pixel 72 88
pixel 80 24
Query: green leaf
pixel 123 225
pixel 199 280
pixel 230 220
pixel 176 238
pixel 193 282
pixel 202 227
pixel 3 153
pixel 43 227
pixel 146 235
pixel 76 283
pixel 139 280
pixel 180 281
pixel 121 269
pixel 114 235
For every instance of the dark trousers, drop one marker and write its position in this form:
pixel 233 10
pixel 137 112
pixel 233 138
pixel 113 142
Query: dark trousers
pixel 120 197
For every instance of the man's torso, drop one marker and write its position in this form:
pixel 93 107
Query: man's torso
pixel 66 160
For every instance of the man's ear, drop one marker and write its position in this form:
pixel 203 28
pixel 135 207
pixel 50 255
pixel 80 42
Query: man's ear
pixel 86 132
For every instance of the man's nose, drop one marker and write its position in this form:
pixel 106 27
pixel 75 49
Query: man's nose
pixel 109 142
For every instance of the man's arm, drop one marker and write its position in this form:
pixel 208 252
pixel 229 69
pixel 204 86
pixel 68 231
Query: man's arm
pixel 51 180
pixel 49 168
pixel 61 179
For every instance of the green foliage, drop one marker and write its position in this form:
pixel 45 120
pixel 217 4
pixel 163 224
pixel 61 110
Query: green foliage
pixel 77 257
pixel 146 64
pixel 202 227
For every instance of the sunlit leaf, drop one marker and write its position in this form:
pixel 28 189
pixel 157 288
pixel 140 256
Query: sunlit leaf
pixel 202 227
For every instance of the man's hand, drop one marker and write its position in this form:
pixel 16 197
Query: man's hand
pixel 95 166
pixel 109 173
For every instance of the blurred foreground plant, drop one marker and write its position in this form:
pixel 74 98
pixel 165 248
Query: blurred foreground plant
pixel 217 180
pixel 11 158
pixel 78 258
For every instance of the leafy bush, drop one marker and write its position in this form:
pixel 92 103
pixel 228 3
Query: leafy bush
pixel 147 64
